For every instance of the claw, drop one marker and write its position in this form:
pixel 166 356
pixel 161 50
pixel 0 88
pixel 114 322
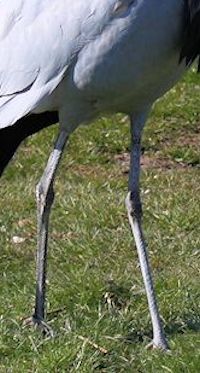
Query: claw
pixel 47 331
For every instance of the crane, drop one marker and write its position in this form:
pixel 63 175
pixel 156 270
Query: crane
pixel 69 62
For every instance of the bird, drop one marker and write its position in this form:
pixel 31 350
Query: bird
pixel 69 62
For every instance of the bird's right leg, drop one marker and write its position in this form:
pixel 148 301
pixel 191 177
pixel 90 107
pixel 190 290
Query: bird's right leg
pixel 45 197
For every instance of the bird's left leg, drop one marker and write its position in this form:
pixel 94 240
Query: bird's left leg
pixel 134 209
pixel 45 197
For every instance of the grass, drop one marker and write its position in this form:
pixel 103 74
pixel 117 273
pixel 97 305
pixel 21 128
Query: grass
pixel 96 300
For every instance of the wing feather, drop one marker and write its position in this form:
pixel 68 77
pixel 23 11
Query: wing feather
pixel 39 41
pixel 34 55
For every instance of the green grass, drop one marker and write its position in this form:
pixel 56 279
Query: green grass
pixel 95 290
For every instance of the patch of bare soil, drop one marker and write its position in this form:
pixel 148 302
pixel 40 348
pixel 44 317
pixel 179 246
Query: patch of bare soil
pixel 158 161
pixel 185 139
pixel 189 140
pixel 150 162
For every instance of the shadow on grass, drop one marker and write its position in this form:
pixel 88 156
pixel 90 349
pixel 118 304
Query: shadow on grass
pixel 118 298
pixel 175 327
pixel 187 323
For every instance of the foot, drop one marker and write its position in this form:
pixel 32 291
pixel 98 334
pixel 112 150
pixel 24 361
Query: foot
pixel 160 344
pixel 47 331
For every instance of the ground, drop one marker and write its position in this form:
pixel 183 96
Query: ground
pixel 96 301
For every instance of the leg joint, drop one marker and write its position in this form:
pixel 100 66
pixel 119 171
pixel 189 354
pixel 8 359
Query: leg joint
pixel 133 205
pixel 44 194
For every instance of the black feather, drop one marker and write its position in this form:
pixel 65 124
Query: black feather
pixel 12 136
pixel 191 40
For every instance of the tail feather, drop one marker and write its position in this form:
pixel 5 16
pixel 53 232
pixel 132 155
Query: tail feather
pixel 12 136
pixel 191 41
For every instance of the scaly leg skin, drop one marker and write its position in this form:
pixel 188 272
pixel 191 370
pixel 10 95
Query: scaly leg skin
pixel 45 197
pixel 134 209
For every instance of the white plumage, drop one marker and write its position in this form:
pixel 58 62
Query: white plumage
pixel 64 55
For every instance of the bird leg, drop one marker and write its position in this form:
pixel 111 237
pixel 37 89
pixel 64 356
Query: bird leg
pixel 45 197
pixel 134 209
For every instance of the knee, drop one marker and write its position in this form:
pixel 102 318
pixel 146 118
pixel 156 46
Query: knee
pixel 133 205
pixel 44 196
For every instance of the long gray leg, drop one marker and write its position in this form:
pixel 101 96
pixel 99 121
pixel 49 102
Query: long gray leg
pixel 45 197
pixel 134 209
